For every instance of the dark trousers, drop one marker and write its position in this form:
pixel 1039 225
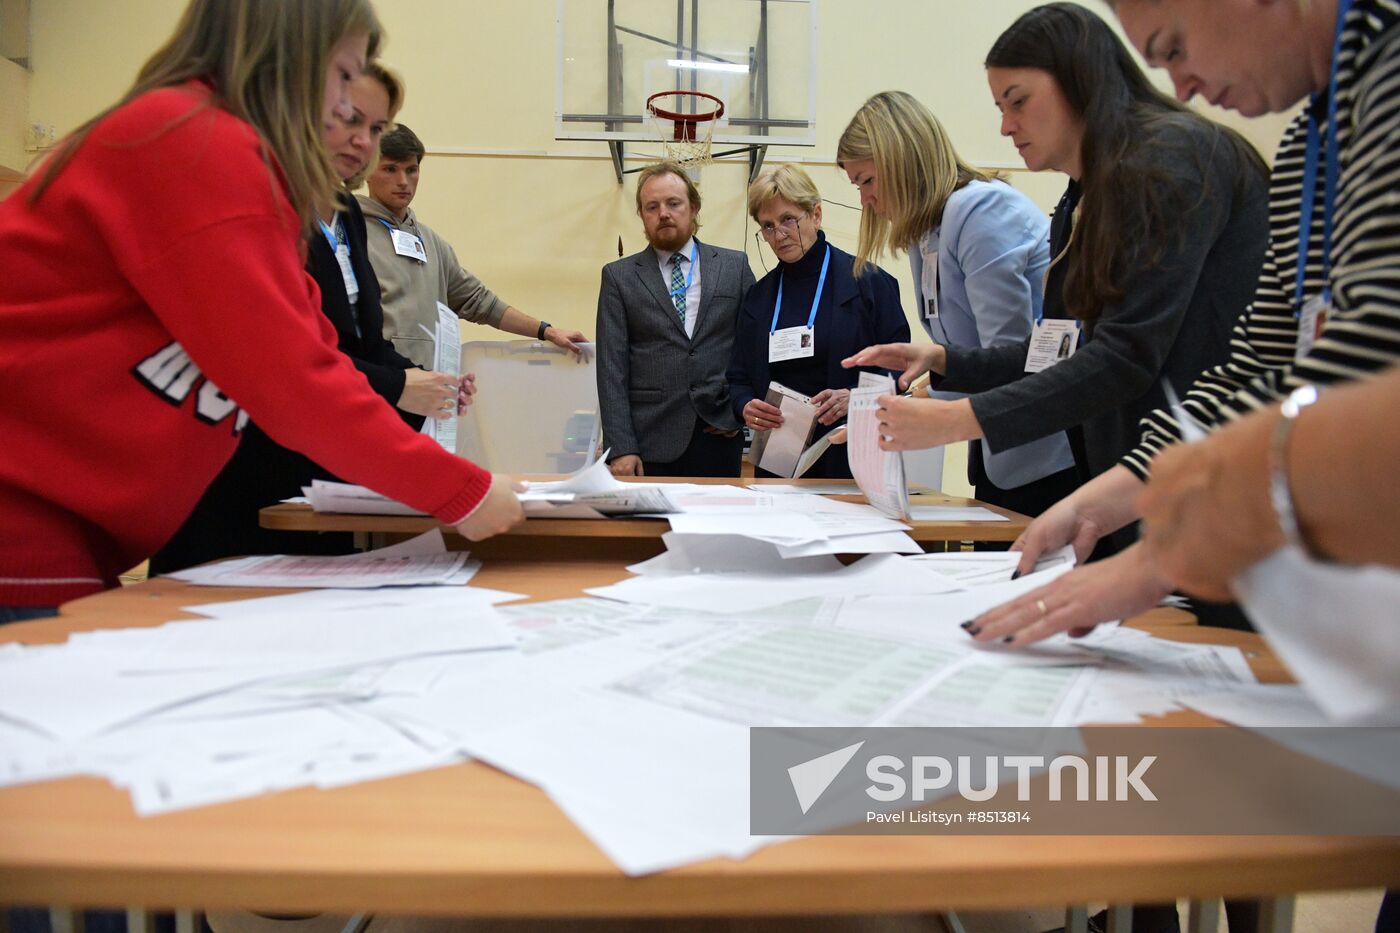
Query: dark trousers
pixel 1031 499
pixel 707 455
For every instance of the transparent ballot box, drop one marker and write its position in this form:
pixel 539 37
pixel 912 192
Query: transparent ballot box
pixel 536 408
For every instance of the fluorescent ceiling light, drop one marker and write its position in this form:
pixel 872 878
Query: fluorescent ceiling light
pixel 707 66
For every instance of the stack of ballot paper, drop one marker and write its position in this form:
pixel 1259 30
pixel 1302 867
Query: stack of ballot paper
pixel 325 496
pixel 420 561
pixel 879 473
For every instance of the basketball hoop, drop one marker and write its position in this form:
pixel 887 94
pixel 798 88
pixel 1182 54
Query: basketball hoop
pixel 679 132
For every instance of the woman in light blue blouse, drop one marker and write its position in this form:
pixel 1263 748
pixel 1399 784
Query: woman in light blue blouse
pixel 978 249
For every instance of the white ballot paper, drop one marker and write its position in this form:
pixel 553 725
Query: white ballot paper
pixel 417 562
pixel 593 492
pixel 812 454
pixel 954 513
pixel 349 499
pixel 1334 627
pixel 779 450
pixel 878 473
pixel 447 358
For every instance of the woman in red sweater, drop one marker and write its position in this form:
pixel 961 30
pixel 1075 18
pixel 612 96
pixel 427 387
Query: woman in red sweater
pixel 155 263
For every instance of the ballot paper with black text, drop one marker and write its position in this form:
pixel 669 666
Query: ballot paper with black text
pixel 878 473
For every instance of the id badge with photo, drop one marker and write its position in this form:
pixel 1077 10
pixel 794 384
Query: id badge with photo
pixel 791 343
pixel 406 244
pixel 1311 320
pixel 347 272
pixel 1054 340
pixel 929 286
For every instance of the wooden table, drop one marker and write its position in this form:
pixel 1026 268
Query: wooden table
pixel 470 841
pixel 623 538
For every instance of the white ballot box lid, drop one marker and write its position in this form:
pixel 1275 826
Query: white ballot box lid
pixel 536 408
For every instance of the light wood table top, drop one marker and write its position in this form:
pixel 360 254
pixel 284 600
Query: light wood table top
pixel 630 538
pixel 470 841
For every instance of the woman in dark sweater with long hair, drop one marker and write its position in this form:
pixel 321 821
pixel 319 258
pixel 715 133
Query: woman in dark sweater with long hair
pixel 1155 246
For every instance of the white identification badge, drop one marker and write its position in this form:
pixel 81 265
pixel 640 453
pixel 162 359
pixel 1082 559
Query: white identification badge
pixel 791 343
pixel 1310 323
pixel 929 286
pixel 347 273
pixel 1052 341
pixel 406 244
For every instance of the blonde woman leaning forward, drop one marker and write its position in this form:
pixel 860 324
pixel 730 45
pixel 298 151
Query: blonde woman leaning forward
pixel 978 250
pixel 1154 245
pixel 186 206
pixel 802 319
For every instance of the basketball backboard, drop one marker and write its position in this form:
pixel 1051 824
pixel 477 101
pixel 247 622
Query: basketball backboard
pixel 757 56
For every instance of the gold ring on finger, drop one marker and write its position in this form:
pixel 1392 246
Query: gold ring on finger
pixel 1040 604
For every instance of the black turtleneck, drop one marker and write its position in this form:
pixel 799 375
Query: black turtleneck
pixel 799 279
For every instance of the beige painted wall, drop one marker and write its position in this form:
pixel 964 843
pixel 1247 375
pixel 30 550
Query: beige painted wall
pixel 14 113
pixel 534 217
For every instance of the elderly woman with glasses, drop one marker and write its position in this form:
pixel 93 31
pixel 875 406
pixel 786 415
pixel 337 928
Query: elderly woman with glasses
pixel 801 319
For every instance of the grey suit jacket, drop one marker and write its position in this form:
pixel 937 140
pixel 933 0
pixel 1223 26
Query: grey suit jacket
pixel 653 381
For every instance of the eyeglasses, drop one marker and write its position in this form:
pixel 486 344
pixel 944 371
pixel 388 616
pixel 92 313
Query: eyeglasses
pixel 786 226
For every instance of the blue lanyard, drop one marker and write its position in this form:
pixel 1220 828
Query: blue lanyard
pixel 816 299
pixel 690 275
pixel 1334 171
pixel 330 237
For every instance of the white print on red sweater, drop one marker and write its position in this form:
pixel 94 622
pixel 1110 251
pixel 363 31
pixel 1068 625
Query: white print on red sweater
pixel 171 374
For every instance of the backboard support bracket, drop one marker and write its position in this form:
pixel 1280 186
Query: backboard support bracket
pixel 620 125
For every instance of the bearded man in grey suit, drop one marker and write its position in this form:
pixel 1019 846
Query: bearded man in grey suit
pixel 666 320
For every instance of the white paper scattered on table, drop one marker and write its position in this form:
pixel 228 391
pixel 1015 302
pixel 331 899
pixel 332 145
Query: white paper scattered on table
pixel 744 591
pixel 333 687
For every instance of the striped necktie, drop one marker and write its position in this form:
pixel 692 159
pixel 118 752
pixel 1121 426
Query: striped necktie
pixel 678 285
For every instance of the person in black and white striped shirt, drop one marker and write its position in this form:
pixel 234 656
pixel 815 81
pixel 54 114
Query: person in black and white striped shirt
pixel 1292 53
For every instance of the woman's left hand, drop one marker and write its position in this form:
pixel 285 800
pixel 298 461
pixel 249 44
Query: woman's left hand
pixel 831 405
pixel 908 423
pixel 1117 587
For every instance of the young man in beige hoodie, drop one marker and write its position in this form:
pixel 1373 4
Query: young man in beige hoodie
pixel 417 268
